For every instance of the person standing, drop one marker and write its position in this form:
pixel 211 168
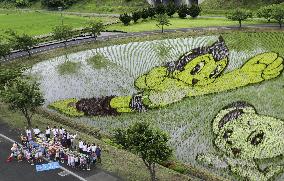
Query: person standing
pixel 47 132
pixel 36 132
pixel 29 134
pixel 98 153
pixel 55 131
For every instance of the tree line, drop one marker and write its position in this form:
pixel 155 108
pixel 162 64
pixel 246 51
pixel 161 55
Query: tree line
pixel 25 42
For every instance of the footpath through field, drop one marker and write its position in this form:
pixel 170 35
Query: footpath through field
pixel 23 171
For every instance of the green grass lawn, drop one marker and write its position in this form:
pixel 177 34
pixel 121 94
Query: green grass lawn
pixel 38 23
pixel 150 24
pixel 107 6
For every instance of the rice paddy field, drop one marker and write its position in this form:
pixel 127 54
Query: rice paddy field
pixel 188 122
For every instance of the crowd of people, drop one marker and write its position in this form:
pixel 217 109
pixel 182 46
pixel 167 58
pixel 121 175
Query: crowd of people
pixel 55 144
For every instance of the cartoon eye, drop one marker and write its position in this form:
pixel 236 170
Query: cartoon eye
pixel 256 138
pixel 197 68
pixel 215 72
pixel 227 134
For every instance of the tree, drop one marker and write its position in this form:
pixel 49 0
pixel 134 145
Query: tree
pixel 23 42
pixel 125 19
pixel 145 13
pixel 239 15
pixel 265 12
pixel 95 28
pixel 136 16
pixel 23 95
pixel 183 11
pixel 5 49
pixel 160 9
pixel 63 32
pixel 163 20
pixel 9 74
pixel 194 10
pixel 151 12
pixel 149 143
pixel 278 14
pixel 171 9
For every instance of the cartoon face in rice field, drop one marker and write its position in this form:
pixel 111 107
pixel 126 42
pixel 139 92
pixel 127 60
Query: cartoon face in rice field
pixel 197 72
pixel 246 139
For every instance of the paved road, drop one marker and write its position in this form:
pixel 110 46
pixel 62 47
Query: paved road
pixel 23 171
pixel 112 35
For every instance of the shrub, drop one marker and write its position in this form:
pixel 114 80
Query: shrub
pixel 125 19
pixel 182 11
pixel 194 10
pixel 171 9
pixel 22 3
pixel 136 16
pixel 54 4
pixel 145 13
pixel 160 9
pixel 151 12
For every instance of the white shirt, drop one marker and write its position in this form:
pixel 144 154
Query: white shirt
pixel 36 131
pixel 84 147
pixel 93 148
pixel 47 131
pixel 54 131
pixel 61 131
pixel 81 144
pixel 28 132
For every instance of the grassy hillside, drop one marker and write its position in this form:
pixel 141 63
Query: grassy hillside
pixel 221 6
pixel 38 23
pixel 92 6
pixel 108 6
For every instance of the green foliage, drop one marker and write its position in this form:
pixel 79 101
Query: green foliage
pixel 194 10
pixel 136 16
pixel 67 107
pixel 278 14
pixel 54 4
pixel 98 61
pixel 183 11
pixel 160 9
pixel 63 32
pixel 95 28
pixel 125 19
pixel 162 20
pixel 9 74
pixel 149 143
pixel 23 42
pixel 68 67
pixel 239 15
pixel 145 13
pixel 265 12
pixel 150 12
pixel 171 9
pixel 21 3
pixel 5 49
pixel 23 95
pixel 121 103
